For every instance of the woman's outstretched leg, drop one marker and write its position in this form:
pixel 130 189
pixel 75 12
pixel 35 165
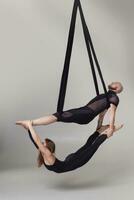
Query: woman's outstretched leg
pixel 46 120
pixel 83 155
pixel 92 138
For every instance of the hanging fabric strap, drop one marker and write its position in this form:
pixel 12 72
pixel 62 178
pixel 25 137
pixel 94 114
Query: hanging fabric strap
pixel 65 73
pixel 88 38
pixel 91 54
pixel 84 26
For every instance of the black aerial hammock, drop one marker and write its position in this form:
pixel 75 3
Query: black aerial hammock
pixel 91 53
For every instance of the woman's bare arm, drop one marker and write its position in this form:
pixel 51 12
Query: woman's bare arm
pixel 37 139
pixel 47 155
pixel 112 113
pixel 101 118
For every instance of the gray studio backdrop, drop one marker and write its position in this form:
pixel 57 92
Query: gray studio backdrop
pixel 33 38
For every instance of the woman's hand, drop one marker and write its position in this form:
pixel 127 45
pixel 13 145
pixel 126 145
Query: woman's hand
pixel 25 124
pixel 110 132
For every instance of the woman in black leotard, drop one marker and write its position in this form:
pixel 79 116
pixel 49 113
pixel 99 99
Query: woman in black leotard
pixel 83 115
pixel 72 161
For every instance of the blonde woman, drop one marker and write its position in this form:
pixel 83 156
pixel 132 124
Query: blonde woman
pixel 98 106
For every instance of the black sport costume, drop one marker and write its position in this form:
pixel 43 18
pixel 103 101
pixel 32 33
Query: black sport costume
pixel 87 113
pixel 83 115
pixel 80 157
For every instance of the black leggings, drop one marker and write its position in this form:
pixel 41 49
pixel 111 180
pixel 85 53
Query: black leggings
pixel 85 153
pixel 82 115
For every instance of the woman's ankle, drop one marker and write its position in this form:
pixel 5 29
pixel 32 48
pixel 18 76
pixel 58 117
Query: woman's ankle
pixel 33 123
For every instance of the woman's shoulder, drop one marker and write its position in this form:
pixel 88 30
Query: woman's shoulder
pixel 113 97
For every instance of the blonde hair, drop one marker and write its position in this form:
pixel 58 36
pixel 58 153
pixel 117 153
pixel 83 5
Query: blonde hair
pixel 116 86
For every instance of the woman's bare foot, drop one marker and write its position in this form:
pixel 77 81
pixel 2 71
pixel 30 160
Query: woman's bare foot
pixel 24 124
pixel 108 133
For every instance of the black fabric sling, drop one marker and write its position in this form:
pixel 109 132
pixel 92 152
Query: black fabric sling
pixel 91 53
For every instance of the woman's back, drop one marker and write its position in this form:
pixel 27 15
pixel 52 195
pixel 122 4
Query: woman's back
pixel 102 102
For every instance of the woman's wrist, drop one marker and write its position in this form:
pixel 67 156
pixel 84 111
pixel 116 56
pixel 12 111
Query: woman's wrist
pixel 30 124
pixel 111 127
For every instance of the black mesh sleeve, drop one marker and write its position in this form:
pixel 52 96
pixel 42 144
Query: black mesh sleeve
pixel 114 100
